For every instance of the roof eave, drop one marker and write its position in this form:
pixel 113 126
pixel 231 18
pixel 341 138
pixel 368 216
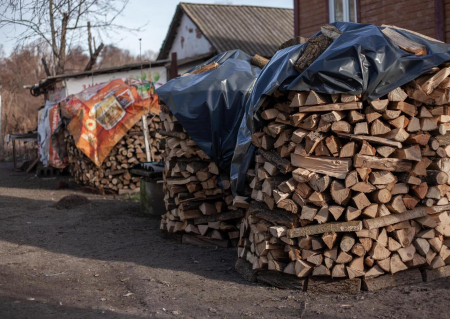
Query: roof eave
pixel 171 33
pixel 134 66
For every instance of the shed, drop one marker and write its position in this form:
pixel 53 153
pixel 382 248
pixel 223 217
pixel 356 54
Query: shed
pixel 199 30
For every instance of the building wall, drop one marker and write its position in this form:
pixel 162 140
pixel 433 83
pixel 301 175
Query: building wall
pixel 189 40
pixel 447 20
pixel 416 15
pixel 76 85
pixel 312 15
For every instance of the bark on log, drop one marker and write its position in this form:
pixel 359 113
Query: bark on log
pixel 325 228
pixel 315 47
pixel 396 218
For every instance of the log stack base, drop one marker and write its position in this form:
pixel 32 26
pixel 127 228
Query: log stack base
pixel 338 286
pixel 114 173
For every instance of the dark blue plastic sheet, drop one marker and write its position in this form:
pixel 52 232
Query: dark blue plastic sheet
pixel 210 106
pixel 360 61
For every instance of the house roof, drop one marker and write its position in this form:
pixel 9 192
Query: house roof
pixel 253 29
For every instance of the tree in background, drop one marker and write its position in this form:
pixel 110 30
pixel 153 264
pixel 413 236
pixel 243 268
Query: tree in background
pixel 63 25
pixel 150 55
pixel 19 108
pixel 24 67
pixel 76 59
pixel 113 56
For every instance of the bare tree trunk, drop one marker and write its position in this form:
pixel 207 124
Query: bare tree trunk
pixel 89 38
pixel 62 49
pixel 44 63
pixel 41 19
pixel 53 33
pixel 94 57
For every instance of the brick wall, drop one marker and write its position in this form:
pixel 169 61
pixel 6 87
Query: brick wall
pixel 312 15
pixel 447 20
pixel 416 15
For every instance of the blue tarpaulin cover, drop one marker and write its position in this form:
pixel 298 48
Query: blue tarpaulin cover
pixel 210 105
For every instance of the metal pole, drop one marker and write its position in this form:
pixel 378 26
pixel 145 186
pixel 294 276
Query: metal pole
pixel 14 153
pixel 1 135
pixel 140 53
pixel 144 118
pixel 146 138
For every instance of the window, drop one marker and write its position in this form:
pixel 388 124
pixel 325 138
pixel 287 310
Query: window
pixel 342 10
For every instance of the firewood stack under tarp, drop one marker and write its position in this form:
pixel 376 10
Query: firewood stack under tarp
pixel 114 173
pixel 347 188
pixel 197 195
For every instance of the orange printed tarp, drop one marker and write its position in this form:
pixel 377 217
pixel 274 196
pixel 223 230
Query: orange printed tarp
pixel 52 148
pixel 55 159
pixel 103 114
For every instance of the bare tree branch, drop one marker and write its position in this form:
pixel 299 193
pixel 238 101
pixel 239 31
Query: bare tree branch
pixel 62 24
pixel 52 27
pixel 89 38
pixel 94 57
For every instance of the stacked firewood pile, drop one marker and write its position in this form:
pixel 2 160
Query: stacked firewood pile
pixel 114 173
pixel 348 188
pixel 197 195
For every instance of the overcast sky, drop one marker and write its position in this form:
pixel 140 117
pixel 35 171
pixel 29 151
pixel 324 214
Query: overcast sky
pixel 158 14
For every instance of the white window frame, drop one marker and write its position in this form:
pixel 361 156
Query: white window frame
pixel 346 8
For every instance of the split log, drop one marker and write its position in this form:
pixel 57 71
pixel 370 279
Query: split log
pixel 389 164
pixel 404 43
pixel 324 165
pixel 396 218
pixel 372 139
pixel 325 228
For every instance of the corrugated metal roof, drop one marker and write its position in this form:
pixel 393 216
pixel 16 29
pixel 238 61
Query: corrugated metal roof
pixel 255 30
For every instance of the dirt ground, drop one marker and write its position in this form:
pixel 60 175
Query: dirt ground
pixel 107 260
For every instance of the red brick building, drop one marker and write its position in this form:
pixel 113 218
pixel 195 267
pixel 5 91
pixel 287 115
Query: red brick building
pixel 429 17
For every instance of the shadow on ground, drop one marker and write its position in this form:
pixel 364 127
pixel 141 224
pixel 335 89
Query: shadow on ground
pixel 108 230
